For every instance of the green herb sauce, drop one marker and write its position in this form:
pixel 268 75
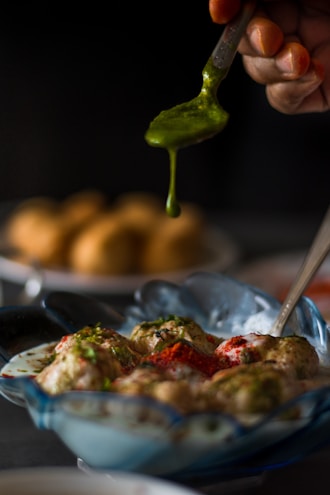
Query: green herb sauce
pixel 188 123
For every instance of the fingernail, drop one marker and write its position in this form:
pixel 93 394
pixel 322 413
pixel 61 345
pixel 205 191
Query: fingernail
pixel 256 40
pixel 284 62
pixel 293 61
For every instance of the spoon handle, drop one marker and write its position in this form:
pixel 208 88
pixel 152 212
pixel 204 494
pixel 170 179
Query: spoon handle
pixel 315 256
pixel 226 48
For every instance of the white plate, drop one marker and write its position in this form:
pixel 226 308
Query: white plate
pixel 221 253
pixel 65 481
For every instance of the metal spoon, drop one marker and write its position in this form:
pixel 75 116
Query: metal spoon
pixel 315 256
pixel 225 50
pixel 202 117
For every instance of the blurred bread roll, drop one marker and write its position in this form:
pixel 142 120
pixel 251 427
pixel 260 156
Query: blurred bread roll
pixel 104 247
pixel 176 243
pixel 81 207
pixel 140 211
pixel 85 234
pixel 37 230
pixel 130 200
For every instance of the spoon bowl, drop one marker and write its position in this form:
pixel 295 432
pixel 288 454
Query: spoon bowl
pixel 205 118
pixel 79 310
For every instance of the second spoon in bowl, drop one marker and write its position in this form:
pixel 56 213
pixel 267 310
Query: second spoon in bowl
pixel 318 251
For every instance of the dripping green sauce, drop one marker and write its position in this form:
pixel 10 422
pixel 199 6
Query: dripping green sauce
pixel 188 123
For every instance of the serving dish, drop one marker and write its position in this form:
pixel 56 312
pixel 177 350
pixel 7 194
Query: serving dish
pixel 64 481
pixel 221 253
pixel 108 431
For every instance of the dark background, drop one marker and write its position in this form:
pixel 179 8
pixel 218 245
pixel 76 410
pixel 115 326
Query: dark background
pixel 80 84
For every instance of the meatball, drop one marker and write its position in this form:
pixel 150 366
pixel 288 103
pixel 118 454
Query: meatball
pixel 159 385
pixel 149 336
pixel 292 353
pixel 115 343
pixel 255 388
pixel 88 360
pixel 296 355
pixel 85 366
pixel 244 349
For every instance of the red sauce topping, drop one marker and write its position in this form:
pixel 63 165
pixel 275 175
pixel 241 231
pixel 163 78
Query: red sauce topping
pixel 237 350
pixel 184 352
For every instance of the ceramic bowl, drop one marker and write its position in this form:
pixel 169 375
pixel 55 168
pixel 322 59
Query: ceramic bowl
pixel 108 431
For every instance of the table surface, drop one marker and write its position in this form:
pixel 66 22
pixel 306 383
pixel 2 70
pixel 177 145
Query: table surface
pixel 23 445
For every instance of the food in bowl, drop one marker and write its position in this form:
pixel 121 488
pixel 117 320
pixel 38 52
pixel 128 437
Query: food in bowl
pixel 174 361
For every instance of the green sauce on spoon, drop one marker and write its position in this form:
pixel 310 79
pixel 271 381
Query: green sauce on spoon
pixel 202 117
pixel 188 123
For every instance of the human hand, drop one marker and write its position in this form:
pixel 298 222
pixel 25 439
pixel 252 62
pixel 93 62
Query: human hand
pixel 287 48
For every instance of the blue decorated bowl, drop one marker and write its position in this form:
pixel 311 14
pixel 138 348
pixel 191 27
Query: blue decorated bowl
pixel 108 431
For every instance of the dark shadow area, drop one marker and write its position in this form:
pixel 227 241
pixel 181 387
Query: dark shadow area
pixel 80 84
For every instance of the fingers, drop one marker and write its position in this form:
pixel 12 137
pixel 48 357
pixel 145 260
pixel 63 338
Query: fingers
pixel 301 95
pixel 294 82
pixel 263 37
pixel 222 11
pixel 290 63
pixel 291 79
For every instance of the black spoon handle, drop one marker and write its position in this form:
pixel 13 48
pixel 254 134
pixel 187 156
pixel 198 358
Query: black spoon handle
pixel 226 48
